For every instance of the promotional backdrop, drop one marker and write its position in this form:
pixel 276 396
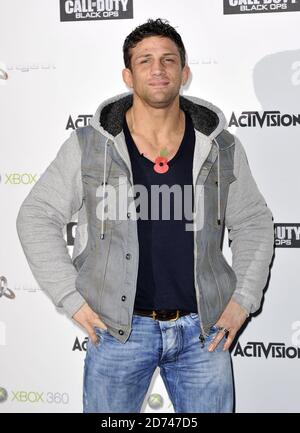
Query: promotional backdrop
pixel 58 61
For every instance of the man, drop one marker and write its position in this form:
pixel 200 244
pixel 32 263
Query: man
pixel 152 291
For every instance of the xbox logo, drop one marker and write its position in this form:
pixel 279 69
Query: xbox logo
pixel 155 401
pixel 3 395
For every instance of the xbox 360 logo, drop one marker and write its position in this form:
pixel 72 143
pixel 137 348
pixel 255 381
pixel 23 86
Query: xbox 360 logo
pixel 3 395
pixel 155 401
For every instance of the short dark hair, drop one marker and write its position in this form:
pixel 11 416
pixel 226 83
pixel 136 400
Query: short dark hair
pixel 152 27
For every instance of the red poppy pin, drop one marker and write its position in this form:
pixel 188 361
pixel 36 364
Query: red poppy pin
pixel 161 163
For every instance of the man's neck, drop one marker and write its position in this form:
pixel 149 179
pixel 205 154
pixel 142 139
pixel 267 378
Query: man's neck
pixel 152 121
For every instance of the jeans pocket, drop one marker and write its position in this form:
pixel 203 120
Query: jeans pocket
pixel 100 335
pixel 100 331
pixel 91 344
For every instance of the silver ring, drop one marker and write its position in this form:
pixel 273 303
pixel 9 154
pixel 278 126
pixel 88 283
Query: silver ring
pixel 222 328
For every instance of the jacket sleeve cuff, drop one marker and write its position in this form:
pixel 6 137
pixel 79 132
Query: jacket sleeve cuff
pixel 244 302
pixel 72 302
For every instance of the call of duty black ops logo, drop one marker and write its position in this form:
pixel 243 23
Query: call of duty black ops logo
pixel 260 6
pixel 83 10
pixel 287 235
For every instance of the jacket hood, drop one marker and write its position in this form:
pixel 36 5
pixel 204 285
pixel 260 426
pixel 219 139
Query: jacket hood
pixel 207 118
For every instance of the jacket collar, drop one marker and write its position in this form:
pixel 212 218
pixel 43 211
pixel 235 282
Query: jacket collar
pixel 207 118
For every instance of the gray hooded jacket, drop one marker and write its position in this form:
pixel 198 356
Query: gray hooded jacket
pixel 104 265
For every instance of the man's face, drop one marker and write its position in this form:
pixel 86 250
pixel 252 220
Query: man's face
pixel 156 73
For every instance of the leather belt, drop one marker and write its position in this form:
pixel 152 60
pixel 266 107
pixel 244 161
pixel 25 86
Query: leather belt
pixel 161 314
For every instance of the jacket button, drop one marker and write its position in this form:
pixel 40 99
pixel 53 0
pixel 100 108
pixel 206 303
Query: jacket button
pixel 128 215
pixel 128 256
pixel 121 332
pixel 123 298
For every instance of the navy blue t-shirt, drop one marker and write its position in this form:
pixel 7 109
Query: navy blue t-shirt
pixel 166 248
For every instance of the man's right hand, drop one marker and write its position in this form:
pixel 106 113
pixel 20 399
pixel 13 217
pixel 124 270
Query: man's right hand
pixel 87 318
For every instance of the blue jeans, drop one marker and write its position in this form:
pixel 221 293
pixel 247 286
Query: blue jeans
pixel 117 375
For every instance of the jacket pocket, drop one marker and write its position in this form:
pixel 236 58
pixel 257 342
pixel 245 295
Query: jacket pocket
pixel 81 258
pixel 211 304
pixel 211 188
pixel 112 287
pixel 118 186
pixel 112 206
pixel 224 274
pixel 90 279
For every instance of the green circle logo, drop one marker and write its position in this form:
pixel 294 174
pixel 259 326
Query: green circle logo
pixel 3 395
pixel 155 401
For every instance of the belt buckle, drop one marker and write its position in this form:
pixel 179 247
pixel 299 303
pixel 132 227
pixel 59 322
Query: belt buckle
pixel 177 316
pixel 153 315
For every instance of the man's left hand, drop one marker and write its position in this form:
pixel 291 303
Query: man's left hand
pixel 229 323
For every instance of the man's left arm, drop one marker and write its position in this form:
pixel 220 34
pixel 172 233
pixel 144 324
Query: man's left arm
pixel 251 232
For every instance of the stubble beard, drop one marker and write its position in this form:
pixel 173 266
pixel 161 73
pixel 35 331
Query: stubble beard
pixel 162 100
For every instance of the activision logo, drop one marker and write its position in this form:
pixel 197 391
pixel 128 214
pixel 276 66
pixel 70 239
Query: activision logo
pixel 83 10
pixel 267 118
pixel 81 346
pixel 82 120
pixel 259 6
pixel 287 235
pixel 257 349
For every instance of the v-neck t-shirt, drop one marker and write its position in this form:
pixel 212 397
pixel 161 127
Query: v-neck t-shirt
pixel 166 248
